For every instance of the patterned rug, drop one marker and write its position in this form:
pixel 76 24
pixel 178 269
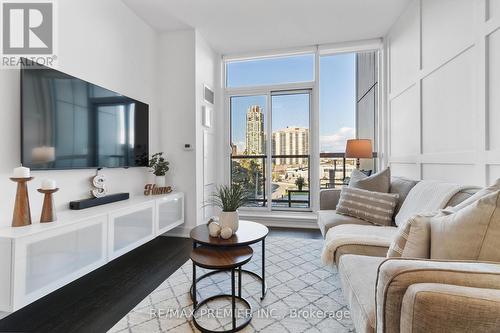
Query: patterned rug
pixel 303 296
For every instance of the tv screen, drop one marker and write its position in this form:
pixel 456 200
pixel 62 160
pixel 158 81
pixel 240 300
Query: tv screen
pixel 68 123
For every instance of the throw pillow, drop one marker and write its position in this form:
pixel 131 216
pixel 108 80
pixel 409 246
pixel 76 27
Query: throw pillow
pixel 401 186
pixel 476 196
pixel 374 207
pixel 413 237
pixel 472 233
pixel 379 182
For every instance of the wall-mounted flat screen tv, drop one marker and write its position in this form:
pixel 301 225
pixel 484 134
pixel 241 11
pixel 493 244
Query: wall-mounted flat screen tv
pixel 69 123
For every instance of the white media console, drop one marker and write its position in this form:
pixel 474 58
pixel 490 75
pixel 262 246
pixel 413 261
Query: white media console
pixel 40 258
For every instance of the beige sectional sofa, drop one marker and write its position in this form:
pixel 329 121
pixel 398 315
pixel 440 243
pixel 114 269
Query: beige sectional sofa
pixel 409 295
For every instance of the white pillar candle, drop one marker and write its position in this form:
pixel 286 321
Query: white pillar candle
pixel 21 172
pixel 48 184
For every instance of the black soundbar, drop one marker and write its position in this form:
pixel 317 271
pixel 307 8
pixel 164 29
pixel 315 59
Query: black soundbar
pixel 92 202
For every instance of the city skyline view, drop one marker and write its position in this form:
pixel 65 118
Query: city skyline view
pixel 337 97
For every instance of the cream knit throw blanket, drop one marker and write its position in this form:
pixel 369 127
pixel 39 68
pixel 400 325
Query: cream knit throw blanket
pixel 355 234
pixel 427 196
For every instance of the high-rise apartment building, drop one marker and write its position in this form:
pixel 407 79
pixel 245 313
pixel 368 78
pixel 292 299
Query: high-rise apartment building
pixel 255 131
pixel 291 141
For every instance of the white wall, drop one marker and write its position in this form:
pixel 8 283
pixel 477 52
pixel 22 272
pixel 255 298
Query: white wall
pixel 186 63
pixel 102 42
pixel 208 71
pixel 443 69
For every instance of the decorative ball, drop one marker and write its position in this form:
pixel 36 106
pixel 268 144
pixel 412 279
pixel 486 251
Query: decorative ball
pixel 226 233
pixel 214 229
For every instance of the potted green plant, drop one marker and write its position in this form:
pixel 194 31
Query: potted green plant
pixel 300 182
pixel 159 167
pixel 229 198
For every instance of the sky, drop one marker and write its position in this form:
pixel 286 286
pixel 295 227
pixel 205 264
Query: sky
pixel 337 96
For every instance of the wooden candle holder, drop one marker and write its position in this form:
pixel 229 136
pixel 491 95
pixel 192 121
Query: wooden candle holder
pixel 48 208
pixel 22 214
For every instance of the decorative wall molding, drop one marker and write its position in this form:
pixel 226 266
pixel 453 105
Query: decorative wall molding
pixel 462 145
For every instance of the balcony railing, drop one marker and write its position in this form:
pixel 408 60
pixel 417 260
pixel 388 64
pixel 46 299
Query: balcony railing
pixel 251 173
pixel 336 169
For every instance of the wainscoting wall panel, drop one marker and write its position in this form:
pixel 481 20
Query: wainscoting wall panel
pixel 493 9
pixel 493 44
pixel 456 173
pixel 410 170
pixel 447 106
pixel 452 98
pixel 404 119
pixel 405 49
pixel 493 173
pixel 447 28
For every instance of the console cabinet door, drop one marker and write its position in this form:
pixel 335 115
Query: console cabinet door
pixel 48 260
pixel 170 212
pixel 130 228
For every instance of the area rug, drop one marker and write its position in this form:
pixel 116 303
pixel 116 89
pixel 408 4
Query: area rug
pixel 303 296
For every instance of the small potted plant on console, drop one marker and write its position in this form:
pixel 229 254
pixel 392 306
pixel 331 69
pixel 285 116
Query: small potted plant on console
pixel 159 167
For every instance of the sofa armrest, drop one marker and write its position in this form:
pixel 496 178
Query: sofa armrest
pixel 396 275
pixel 329 198
pixel 432 307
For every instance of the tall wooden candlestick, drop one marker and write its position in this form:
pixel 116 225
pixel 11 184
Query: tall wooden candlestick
pixel 22 213
pixel 48 208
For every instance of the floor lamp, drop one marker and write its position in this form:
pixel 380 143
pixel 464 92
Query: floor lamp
pixel 359 148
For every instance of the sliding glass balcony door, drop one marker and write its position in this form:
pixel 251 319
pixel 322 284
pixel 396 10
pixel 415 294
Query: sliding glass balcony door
pixel 288 141
pixel 248 146
pixel 290 113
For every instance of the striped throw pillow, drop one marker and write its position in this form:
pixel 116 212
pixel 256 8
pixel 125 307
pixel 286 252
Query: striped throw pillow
pixel 374 207
pixel 413 239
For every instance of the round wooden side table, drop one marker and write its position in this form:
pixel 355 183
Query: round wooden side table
pixel 222 259
pixel 248 233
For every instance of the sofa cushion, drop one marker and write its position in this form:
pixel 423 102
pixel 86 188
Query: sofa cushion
pixel 401 186
pixel 329 218
pixel 374 207
pixel 413 239
pixel 461 196
pixel 359 235
pixel 427 196
pixel 358 275
pixel 473 197
pixel 379 182
pixel 472 233
pixel 360 249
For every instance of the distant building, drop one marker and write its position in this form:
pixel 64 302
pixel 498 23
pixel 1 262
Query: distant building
pixel 291 141
pixel 255 131
pixel 234 149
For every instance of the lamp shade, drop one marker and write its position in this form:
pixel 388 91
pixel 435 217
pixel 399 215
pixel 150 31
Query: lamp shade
pixel 359 148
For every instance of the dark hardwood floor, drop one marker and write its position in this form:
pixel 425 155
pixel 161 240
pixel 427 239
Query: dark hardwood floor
pixel 95 302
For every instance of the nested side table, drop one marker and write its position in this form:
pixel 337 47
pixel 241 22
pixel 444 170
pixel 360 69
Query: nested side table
pixel 248 233
pixel 221 259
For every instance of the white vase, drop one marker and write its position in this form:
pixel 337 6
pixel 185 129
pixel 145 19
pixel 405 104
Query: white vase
pixel 160 181
pixel 230 220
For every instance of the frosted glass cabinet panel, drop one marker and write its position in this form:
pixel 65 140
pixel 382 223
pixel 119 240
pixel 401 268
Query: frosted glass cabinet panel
pixel 49 259
pixel 131 228
pixel 170 212
pixel 57 257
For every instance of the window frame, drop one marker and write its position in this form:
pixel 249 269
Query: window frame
pixel 313 87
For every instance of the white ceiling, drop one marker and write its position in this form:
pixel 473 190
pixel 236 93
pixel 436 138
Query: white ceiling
pixel 235 26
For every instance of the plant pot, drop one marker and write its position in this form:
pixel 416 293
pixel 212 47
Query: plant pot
pixel 160 181
pixel 300 188
pixel 230 220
